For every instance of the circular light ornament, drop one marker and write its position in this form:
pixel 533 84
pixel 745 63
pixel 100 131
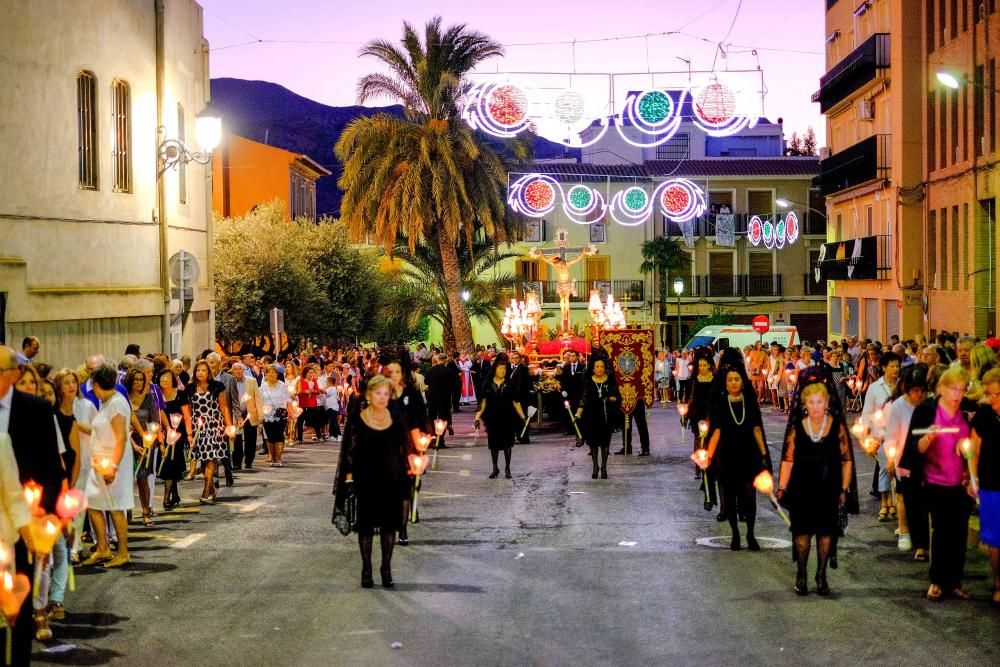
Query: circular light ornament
pixel 568 107
pixel 768 229
pixel 717 109
pixel 779 234
pixel 755 230
pixel 653 113
pixel 792 227
pixel 534 195
pixel 497 109
pixel 584 205
pixel 631 206
pixel 507 105
pixel 680 199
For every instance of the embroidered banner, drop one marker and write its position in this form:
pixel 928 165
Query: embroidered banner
pixel 631 353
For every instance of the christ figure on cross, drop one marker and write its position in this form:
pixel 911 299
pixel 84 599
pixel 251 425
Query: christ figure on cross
pixel 565 286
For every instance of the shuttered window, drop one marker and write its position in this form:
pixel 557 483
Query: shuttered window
pixel 86 126
pixel 121 138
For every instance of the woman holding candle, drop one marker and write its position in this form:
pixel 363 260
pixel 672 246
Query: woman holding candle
pixel 274 394
pixel 211 415
pixel 698 409
pixel 914 529
pixel 932 456
pixel 736 449
pixel 817 475
pixel 873 416
pixel 179 432
pixel 373 460
pixel 145 415
pixel 497 402
pixel 109 488
pixel 599 404
pixel 292 385
pixel 407 401
pixel 985 466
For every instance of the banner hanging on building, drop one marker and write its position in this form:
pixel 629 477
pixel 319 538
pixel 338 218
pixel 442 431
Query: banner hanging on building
pixel 725 230
pixel 631 353
pixel 854 259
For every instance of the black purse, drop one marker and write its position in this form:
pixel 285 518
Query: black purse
pixel 347 518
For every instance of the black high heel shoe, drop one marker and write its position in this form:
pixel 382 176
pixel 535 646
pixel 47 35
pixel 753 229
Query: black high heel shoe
pixel 386 573
pixel 594 474
pixel 822 588
pixel 366 577
pixel 752 543
pixel 604 473
pixel 801 584
pixel 494 474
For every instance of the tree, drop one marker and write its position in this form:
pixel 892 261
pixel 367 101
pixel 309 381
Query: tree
pixel 663 256
pixel 794 146
pixel 719 315
pixel 426 292
pixel 328 287
pixel 809 142
pixel 426 176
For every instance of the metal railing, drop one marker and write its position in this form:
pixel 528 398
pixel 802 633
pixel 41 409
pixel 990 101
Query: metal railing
pixel 867 160
pixel 625 291
pixel 733 286
pixel 812 288
pixel 859 67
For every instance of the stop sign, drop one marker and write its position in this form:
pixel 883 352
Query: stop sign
pixel 761 324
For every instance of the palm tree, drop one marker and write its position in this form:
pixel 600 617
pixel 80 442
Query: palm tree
pixel 662 255
pixel 486 286
pixel 426 176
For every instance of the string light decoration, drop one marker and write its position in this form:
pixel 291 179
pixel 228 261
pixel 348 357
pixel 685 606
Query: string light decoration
pixel 508 108
pixel 536 195
pixel 631 206
pixel 773 235
pixel 584 205
pixel 681 199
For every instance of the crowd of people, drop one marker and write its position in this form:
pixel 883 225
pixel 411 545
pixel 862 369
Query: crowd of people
pixel 926 414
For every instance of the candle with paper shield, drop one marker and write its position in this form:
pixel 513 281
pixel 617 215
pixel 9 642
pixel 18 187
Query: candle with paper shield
pixel 858 429
pixel 968 450
pixel 764 483
pixel 175 419
pixel 572 418
pixel 870 445
pixel 439 426
pixel 703 430
pixel 418 464
pixel 44 531
pixel 531 413
pixel 13 593
pixel 70 503
pixel 32 496
pixel 700 458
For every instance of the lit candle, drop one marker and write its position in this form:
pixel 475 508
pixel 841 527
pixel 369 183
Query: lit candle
pixel 32 495
pixel 153 428
pixel 423 442
pixel 231 431
pixel 8 582
pixel 70 503
pixel 439 426
pixel 858 429
pixel 703 428
pixel 6 556
pixel 870 445
pixel 682 409
pixel 700 458
pixel 175 419
pixel 764 483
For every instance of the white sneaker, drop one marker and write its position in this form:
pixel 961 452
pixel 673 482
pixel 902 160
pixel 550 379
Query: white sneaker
pixel 904 543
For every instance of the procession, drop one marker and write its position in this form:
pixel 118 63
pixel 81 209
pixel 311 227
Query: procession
pixel 513 336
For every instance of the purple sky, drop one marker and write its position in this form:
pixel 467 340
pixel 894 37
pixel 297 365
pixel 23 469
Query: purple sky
pixel 788 36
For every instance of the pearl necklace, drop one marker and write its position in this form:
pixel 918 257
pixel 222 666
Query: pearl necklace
pixel 738 422
pixel 815 437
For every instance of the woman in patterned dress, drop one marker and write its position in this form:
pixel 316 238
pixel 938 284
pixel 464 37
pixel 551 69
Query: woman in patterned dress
pixel 211 419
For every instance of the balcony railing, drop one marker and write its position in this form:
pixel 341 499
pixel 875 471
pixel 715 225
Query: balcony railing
pixel 625 291
pixel 812 288
pixel 730 286
pixel 867 160
pixel 705 225
pixel 860 66
pixel 864 258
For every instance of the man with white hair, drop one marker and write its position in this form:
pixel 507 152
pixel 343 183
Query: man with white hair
pixel 248 411
pixel 95 361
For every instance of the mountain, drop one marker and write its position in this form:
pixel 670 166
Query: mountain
pixel 272 114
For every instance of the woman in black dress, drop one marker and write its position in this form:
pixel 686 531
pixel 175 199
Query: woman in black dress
pixel 736 450
pixel 599 409
pixel 498 406
pixel 373 467
pixel 408 402
pixel 817 474
pixel 210 415
pixel 177 410
pixel 698 411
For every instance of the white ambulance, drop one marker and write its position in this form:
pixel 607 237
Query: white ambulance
pixel 721 336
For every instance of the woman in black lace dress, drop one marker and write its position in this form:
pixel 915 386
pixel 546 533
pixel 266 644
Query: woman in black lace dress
pixel 408 402
pixel 599 409
pixel 817 476
pixel 698 411
pixel 498 407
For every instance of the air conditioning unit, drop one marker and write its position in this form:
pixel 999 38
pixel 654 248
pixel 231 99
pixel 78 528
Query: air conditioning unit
pixel 866 110
pixel 824 152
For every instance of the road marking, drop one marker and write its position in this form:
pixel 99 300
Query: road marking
pixel 187 541
pixel 626 543
pixel 258 478
pixel 300 464
pixel 248 507
pixel 577 493
pixel 463 473
pixel 466 457
pixel 439 496
pixel 153 536
pixel 359 633
pixel 442 472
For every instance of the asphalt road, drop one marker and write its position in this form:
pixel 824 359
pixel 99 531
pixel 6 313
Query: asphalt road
pixel 550 568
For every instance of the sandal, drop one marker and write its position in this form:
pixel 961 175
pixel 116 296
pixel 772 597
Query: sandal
pixel 920 557
pixel 118 561
pixel 97 557
pixel 934 593
pixel 892 513
pixel 961 594
pixel 147 518
pixel 883 514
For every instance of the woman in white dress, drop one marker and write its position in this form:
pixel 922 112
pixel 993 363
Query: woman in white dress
pixel 109 485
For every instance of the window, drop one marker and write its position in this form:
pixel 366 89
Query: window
pixel 760 263
pixel 529 270
pixel 836 315
pixel 182 167
pixel 930 26
pixel 760 202
pixel 942 23
pixel 943 160
pixel 302 196
pixel 942 243
pixel 677 148
pixel 978 120
pixel 965 15
pixel 954 127
pixel 121 137
pixel 953 23
pixel 838 232
pixel 853 326
pixel 954 247
pixel 86 128
pixel 965 119
pixel 931 133
pixel 932 248
pixel 967 238
pixel 869 220
pixel 993 105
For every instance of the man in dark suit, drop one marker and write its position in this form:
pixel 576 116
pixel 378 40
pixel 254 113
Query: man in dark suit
pixel 31 425
pixel 439 382
pixel 520 377
pixel 570 374
pixel 480 370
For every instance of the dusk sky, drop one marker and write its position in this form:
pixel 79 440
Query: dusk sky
pixel 317 56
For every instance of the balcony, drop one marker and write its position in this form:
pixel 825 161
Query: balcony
pixel 867 160
pixel 812 288
pixel 861 66
pixel 625 291
pixel 733 286
pixel 864 258
pixel 705 225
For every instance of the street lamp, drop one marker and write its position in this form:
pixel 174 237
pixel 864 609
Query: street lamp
pixel 466 295
pixel 949 80
pixel 208 134
pixel 678 290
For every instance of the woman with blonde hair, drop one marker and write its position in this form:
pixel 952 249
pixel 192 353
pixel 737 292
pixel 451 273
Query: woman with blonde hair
pixel 934 461
pixel 985 465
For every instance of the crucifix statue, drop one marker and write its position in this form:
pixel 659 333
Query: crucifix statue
pixel 566 286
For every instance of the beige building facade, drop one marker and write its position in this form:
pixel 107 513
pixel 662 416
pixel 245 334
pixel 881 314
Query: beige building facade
pixel 87 224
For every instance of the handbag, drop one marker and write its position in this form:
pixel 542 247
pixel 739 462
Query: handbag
pixel 347 518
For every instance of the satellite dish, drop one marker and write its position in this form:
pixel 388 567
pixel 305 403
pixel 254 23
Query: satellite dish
pixel 183 269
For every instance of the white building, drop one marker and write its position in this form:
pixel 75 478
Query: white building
pixel 87 228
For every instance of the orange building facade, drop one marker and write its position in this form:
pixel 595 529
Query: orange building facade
pixel 247 173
